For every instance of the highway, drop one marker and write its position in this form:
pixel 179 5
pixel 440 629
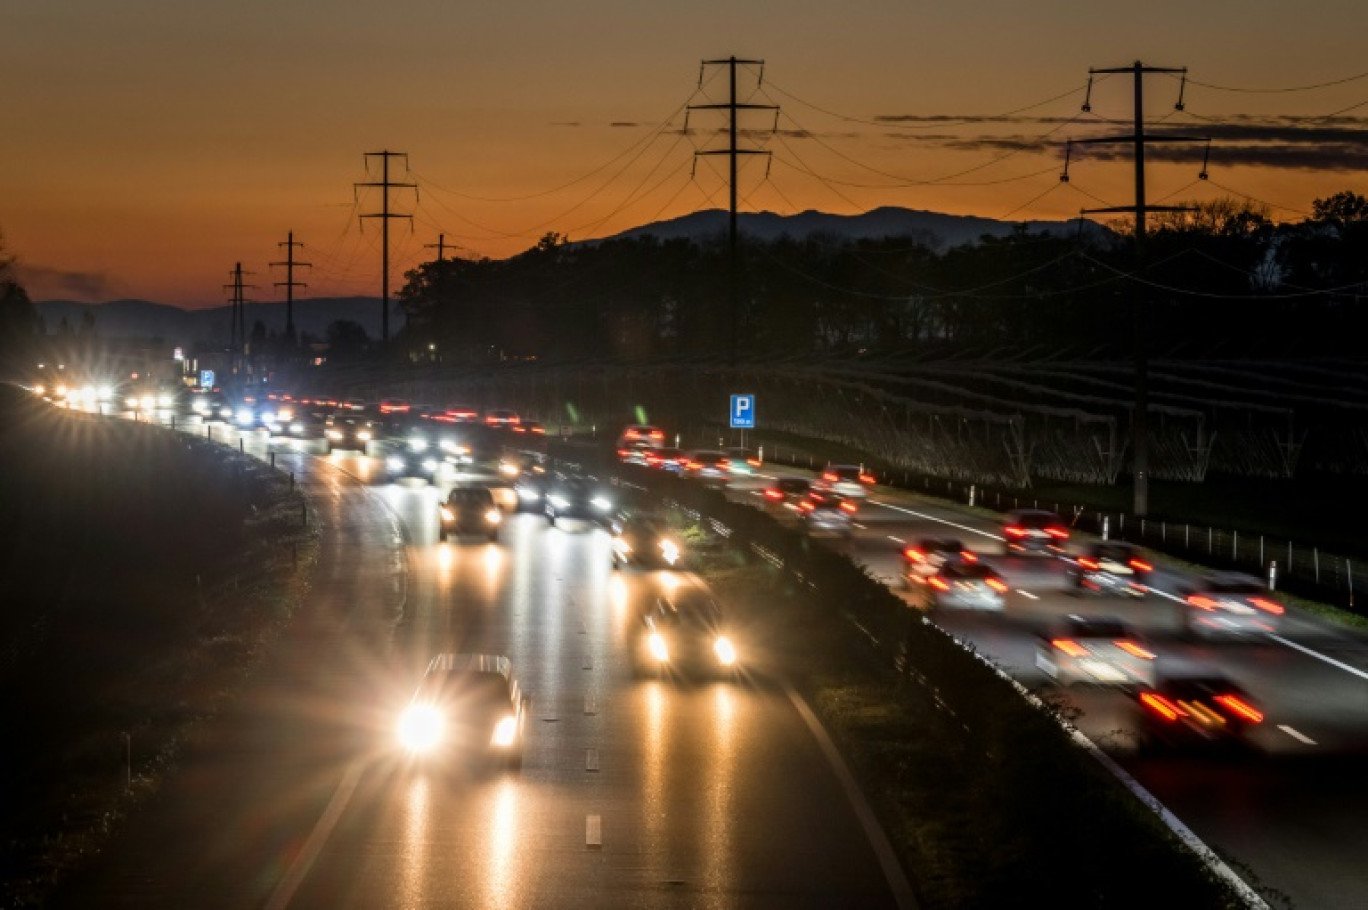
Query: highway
pixel 1290 810
pixel 635 792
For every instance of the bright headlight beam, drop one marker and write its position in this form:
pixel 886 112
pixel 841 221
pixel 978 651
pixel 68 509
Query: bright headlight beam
pixel 420 728
pixel 726 652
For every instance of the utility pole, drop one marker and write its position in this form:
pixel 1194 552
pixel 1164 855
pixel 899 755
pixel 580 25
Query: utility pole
pixel 732 152
pixel 1140 415
pixel 385 215
pixel 289 284
pixel 238 344
pixel 440 246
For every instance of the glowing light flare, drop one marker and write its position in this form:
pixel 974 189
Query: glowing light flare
pixel 658 647
pixel 1162 706
pixel 421 728
pixel 1069 647
pixel 996 584
pixel 1134 650
pixel 1241 708
pixel 1267 605
pixel 1140 565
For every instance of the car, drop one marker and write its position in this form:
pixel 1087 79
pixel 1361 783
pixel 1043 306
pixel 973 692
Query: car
pixel 827 513
pixel 395 406
pixel 785 493
pixel 634 453
pixel 1203 710
pixel 643 538
pixel 643 433
pixel 469 510
pixel 849 480
pixel 964 586
pixel 1228 603
pixel 577 498
pixel 502 418
pixel 1111 567
pixel 458 413
pixel 707 465
pixel 531 485
pixel 466 706
pixel 530 427
pixel 741 462
pixel 666 458
pixel 346 430
pixel 414 454
pixel 304 425
pixel 686 633
pixel 1033 531
pixel 1100 649
pixel 925 556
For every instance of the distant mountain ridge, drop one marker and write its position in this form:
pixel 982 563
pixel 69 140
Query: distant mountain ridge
pixel 934 229
pixel 212 327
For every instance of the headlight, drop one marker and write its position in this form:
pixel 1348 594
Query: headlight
pixel 131 403
pixel 363 435
pixel 225 412
pixel 508 469
pixel 273 427
pixel 104 393
pixel 201 407
pixel 527 493
pixel 244 416
pixel 334 434
pixel 621 546
pixel 430 465
pixel 493 516
pixel 726 652
pixel 164 401
pixel 297 428
pixel 420 728
pixel 559 502
pixel 669 551
pixel 418 444
pixel 148 402
pixel 659 650
pixel 505 732
pixel 600 503
pixel 447 514
pixel 268 416
pixel 394 463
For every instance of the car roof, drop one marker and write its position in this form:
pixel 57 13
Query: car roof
pixel 452 662
pixel 959 569
pixel 469 494
pixel 1076 626
pixel 792 483
pixel 941 544
pixel 1030 515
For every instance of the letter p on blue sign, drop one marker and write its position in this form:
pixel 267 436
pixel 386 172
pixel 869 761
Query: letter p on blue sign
pixel 743 412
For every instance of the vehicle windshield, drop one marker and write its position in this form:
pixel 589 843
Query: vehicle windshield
pixel 470 497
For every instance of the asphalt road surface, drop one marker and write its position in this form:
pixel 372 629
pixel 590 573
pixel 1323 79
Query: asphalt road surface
pixel 635 792
pixel 1290 810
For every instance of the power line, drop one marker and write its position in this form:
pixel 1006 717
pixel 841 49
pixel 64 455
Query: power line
pixel 1278 91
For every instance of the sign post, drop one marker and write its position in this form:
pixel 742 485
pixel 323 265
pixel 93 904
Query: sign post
pixel 743 415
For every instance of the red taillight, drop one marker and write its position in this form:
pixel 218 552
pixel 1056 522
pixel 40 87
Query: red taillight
pixel 774 494
pixel 694 464
pixel 1069 647
pixel 1161 706
pixel 1087 563
pixel 866 478
pixel 518 429
pixel 1014 531
pixel 1058 533
pixel 539 430
pixel 1201 602
pixel 848 506
pixel 912 554
pixel 806 505
pixel 968 556
pixel 753 462
pixel 623 453
pixel 657 434
pixel 1133 649
pixel 829 477
pixel 1241 708
pixel 1140 565
pixel 939 584
pixel 1267 605
pixel 997 585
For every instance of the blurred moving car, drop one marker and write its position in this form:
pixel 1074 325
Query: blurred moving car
pixel 925 556
pixel 848 480
pixel 686 633
pixel 531 485
pixel 1033 531
pixel 666 458
pixel 530 427
pixel 1111 567
pixel 634 453
pixel 1198 710
pixel 466 706
pixel 643 538
pixel 345 430
pixel 502 418
pixel 577 498
pixel 741 462
pixel 707 465
pixel 643 433
pixel 827 513
pixel 1095 650
pixel 964 586
pixel 1228 603
pixel 469 510
pixel 785 493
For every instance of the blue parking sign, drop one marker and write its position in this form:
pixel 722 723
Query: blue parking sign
pixel 206 379
pixel 743 412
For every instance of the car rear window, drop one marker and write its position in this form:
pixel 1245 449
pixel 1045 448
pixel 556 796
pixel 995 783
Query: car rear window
pixel 473 497
pixel 1038 519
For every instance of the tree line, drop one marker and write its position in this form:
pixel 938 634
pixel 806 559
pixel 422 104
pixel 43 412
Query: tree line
pixel 1222 277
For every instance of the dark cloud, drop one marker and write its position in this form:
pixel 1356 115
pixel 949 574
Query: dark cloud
pixel 1287 156
pixel 44 283
pixel 624 123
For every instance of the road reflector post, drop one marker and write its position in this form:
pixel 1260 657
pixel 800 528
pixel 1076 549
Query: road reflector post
pixel 972 492
pixel 273 459
pixel 1273 575
pixel 242 446
pixel 1106 527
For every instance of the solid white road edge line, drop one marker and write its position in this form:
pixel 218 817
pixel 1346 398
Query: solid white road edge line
pixel 896 539
pixel 284 891
pixel 878 840
pixel 1319 656
pixel 1297 735
pixel 943 521
pixel 593 831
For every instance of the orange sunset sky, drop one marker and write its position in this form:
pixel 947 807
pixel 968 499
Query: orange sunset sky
pixel 151 144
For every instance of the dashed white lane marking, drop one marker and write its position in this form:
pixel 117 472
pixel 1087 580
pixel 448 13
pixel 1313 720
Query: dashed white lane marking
pixel 593 831
pixel 878 839
pixel 943 521
pixel 294 877
pixel 860 526
pixel 1297 735
pixel 1319 656
pixel 896 539
pixel 589 706
pixel 1024 593
pixel 588 662
pixel 591 760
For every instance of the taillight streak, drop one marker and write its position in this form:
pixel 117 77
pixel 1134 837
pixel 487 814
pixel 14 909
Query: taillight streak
pixel 1133 649
pixel 1241 708
pixel 1161 706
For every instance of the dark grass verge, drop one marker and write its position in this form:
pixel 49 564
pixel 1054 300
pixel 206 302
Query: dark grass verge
pixel 986 798
pixel 147 575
